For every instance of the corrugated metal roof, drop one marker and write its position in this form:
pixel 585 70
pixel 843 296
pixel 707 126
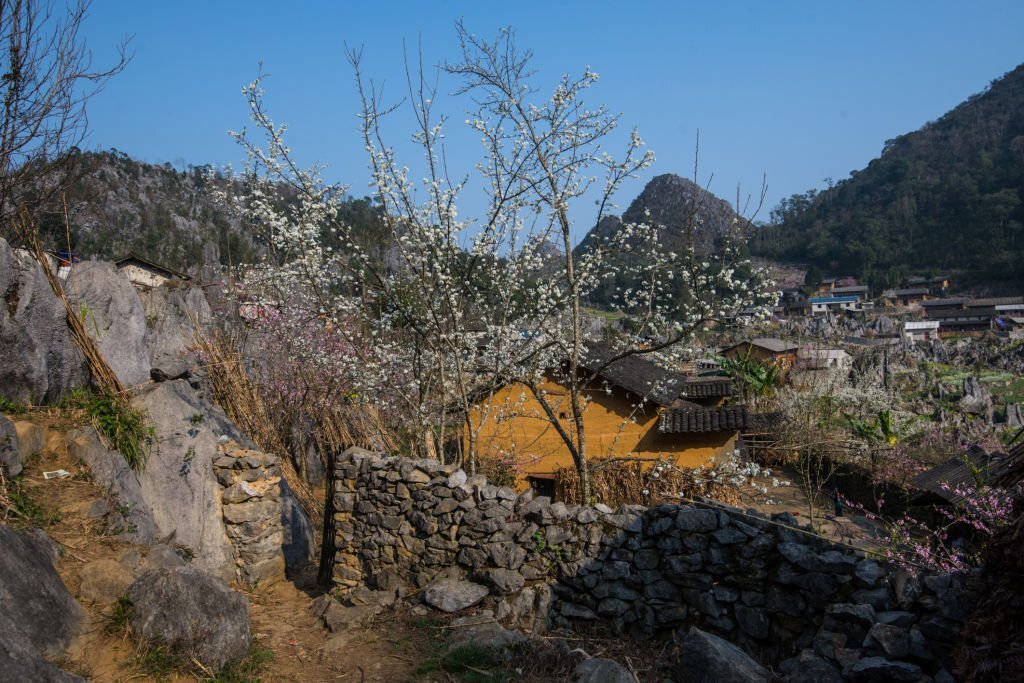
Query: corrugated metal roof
pixel 834 300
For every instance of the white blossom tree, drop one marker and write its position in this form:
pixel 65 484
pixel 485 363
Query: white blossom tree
pixel 459 306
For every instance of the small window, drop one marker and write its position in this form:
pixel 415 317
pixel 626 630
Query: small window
pixel 542 487
pixel 563 415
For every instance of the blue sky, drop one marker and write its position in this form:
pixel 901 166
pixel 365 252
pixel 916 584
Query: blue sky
pixel 795 91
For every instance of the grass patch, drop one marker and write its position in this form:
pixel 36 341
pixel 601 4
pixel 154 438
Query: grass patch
pixel 12 407
pixel 247 670
pixel 471 663
pixel 157 660
pixel 26 510
pixel 118 623
pixel 474 664
pixel 123 426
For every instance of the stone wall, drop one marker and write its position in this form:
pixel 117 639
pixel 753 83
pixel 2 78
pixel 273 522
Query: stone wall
pixel 251 509
pixel 765 584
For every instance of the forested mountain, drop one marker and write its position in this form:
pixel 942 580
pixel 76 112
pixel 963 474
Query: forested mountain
pixel 947 197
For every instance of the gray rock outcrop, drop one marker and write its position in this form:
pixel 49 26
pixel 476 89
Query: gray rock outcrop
pixel 40 361
pixel 1014 418
pixel 113 316
pixel 452 595
pixel 178 482
pixel 38 617
pixel 103 581
pixel 709 659
pixel 172 315
pixel 192 613
pixel 110 471
pixel 10 451
pixel 977 399
pixel 600 670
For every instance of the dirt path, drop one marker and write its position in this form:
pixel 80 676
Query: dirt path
pixel 305 651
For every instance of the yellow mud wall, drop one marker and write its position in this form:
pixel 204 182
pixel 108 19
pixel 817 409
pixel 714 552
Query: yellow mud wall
pixel 513 425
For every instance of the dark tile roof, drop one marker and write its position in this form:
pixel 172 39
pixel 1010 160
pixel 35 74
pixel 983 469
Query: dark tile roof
pixel 693 419
pixel 706 387
pixel 636 374
pixel 997 469
pixel 944 303
pixel 913 291
pixel 993 302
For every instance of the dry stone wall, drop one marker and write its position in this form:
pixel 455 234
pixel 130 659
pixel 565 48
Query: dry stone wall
pixel 251 509
pixel 789 597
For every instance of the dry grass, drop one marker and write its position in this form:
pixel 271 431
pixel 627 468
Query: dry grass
pixel 991 644
pixel 642 482
pixel 236 393
pixel 102 376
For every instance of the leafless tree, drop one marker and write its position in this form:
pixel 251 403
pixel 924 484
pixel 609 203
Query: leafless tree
pixel 47 78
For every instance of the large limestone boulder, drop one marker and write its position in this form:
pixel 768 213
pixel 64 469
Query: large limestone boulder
pixel 39 362
pixel 178 482
pixel 977 399
pixel 600 670
pixel 192 613
pixel 453 595
pixel 172 315
pixel 707 658
pixel 38 617
pixel 113 316
pixel 110 470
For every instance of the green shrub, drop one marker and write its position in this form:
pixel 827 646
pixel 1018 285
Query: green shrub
pixel 120 617
pixel 27 509
pixel 123 426
pixel 11 407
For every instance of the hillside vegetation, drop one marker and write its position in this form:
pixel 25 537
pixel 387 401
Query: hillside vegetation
pixel 947 197
pixel 118 205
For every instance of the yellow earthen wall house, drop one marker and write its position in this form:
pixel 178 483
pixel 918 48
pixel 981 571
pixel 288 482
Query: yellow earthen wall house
pixel 515 425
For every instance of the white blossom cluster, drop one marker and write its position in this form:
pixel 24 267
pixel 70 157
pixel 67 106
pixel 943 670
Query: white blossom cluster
pixel 460 306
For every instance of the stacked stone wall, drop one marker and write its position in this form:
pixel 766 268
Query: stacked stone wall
pixel 251 510
pixel 766 584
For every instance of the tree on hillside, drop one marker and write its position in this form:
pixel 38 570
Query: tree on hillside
pixel 461 306
pixel 47 80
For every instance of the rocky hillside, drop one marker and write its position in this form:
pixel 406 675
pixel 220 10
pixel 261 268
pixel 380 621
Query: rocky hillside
pixel 949 197
pixel 676 203
pixel 118 205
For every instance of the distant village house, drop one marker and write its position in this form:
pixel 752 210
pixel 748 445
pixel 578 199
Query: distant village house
pixel 764 350
pixel 921 330
pixel 146 274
